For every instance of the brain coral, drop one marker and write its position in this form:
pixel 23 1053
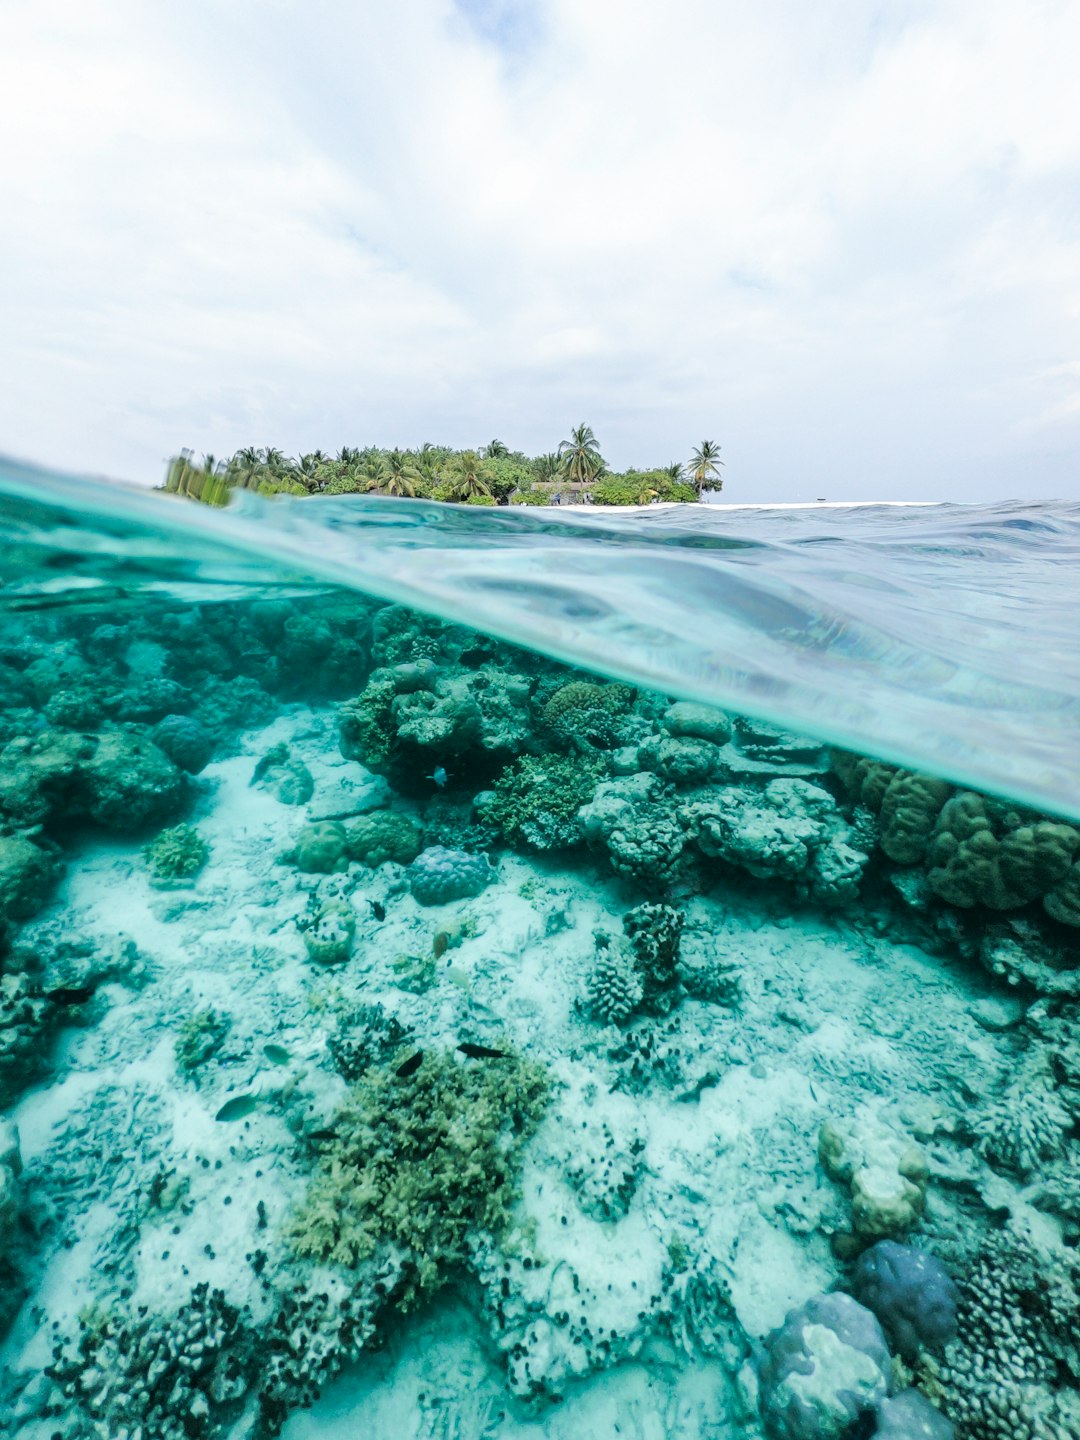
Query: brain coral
pixel 438 875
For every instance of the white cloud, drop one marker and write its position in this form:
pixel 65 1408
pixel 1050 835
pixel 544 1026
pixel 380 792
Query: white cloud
pixel 840 242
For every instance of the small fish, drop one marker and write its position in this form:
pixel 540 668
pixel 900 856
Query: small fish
pixel 70 994
pixel 411 1065
pixel 321 1135
pixel 277 1053
pixel 481 1052
pixel 440 944
pixel 237 1107
pixel 439 775
pixel 378 909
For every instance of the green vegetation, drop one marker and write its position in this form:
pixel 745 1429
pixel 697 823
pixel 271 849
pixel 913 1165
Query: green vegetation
pixel 177 854
pixel 422 1162
pixel 493 475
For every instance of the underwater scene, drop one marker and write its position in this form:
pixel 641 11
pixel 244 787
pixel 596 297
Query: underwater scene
pixel 497 976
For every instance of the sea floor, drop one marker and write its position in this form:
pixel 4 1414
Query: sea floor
pixel 673 1205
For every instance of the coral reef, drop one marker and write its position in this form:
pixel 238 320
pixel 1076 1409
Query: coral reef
pixel 614 989
pixel 177 854
pixel 321 848
pixel 910 1292
pixel 535 801
pixel 438 875
pixel 823 1369
pixel 198 1037
pixel 421 1160
pixel 382 836
pixel 1014 1369
pixel 175 1377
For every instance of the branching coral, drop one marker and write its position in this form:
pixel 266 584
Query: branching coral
pixel 178 1377
pixel 654 932
pixel 177 854
pixel 535 800
pixel 1013 1370
pixel 422 1161
pixel 614 988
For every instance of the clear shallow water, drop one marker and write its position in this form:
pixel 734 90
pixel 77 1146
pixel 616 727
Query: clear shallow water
pixel 408 1028
pixel 939 637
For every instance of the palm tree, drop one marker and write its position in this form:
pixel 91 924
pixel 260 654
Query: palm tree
pixel 246 468
pixel 547 467
pixel 673 472
pixel 401 476
pixel 496 450
pixel 467 475
pixel 704 467
pixel 374 471
pixel 580 455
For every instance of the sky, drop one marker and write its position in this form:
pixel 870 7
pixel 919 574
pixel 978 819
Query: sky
pixel 841 240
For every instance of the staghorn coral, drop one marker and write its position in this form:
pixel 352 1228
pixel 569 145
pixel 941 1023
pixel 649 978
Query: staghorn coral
pixel 422 1162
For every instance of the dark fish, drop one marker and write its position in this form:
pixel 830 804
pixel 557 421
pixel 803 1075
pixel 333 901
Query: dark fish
pixel 237 1107
pixel 322 1135
pixel 378 909
pixel 411 1065
pixel 70 994
pixel 481 1052
pixel 277 1053
pixel 441 944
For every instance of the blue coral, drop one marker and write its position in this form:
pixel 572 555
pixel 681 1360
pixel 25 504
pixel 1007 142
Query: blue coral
pixel 910 1292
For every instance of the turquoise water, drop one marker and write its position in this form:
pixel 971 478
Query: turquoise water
pixel 475 973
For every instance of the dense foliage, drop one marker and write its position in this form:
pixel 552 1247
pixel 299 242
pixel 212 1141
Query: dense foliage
pixel 494 475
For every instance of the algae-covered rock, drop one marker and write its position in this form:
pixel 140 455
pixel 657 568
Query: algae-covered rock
pixel 284 776
pixel 27 874
pixel 321 848
pixel 186 742
pixel 423 1161
pixel 703 722
pixel 129 783
pixel 438 875
pixel 682 759
pixel 633 819
pixel 385 835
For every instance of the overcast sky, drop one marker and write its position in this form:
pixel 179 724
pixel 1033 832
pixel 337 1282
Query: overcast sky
pixel 841 239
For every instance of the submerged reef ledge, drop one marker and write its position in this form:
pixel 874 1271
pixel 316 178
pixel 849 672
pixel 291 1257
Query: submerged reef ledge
pixel 402 1032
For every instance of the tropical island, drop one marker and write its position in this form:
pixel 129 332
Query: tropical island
pixel 574 473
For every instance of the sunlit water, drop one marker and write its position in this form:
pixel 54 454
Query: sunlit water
pixel 481 973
